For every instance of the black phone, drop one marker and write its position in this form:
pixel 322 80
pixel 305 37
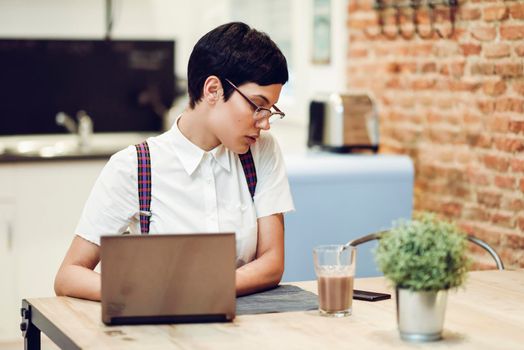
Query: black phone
pixel 369 296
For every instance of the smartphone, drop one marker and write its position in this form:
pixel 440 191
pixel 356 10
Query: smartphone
pixel 369 296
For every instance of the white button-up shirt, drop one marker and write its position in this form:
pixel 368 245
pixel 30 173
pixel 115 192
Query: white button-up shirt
pixel 193 191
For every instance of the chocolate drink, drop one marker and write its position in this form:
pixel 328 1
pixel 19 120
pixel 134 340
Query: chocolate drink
pixel 335 293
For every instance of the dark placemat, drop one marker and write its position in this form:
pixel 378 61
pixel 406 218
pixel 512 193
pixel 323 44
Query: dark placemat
pixel 283 298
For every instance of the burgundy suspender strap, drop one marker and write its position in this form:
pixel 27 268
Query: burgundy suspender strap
pixel 249 170
pixel 144 185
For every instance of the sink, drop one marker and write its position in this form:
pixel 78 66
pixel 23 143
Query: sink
pixel 67 146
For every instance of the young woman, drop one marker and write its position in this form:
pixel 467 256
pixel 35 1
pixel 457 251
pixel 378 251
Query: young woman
pixel 200 169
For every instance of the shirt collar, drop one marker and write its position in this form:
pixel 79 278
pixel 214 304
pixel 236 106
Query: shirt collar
pixel 191 155
pixel 221 155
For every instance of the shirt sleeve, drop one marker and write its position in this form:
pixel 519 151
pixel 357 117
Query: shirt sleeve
pixel 272 194
pixel 113 201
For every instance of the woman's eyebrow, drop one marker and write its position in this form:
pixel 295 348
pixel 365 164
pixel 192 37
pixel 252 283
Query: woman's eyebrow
pixel 263 98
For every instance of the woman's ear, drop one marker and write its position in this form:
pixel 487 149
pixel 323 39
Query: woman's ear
pixel 212 89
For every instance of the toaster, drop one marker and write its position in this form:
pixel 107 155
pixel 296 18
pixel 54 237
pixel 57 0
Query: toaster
pixel 343 123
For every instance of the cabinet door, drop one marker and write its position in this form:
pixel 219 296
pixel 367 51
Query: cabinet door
pixel 9 305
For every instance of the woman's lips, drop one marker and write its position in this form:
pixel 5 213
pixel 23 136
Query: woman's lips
pixel 251 140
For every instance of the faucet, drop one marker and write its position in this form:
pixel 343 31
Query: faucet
pixel 83 128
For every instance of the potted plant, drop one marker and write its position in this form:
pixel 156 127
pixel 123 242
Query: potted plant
pixel 424 258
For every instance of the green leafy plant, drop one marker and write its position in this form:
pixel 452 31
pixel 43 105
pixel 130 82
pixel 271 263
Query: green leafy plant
pixel 424 254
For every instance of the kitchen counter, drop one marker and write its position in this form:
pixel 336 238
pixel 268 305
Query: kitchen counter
pixel 60 147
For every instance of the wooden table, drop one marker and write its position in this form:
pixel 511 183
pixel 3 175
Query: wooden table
pixel 487 314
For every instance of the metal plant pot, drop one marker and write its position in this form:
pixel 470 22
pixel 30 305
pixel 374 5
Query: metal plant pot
pixel 420 315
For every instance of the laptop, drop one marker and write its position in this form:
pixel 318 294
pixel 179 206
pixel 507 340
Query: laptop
pixel 168 278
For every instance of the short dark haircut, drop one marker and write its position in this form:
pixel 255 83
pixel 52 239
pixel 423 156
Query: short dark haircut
pixel 236 52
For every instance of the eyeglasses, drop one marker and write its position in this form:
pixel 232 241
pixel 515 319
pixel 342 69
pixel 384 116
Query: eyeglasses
pixel 261 112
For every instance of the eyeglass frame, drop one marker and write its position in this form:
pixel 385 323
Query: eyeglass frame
pixel 257 107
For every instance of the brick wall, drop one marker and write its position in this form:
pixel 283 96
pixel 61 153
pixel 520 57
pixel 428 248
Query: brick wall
pixel 456 106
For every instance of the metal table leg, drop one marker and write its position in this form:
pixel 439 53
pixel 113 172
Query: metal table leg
pixel 30 332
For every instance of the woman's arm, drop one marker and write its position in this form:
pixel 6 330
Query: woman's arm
pixel 266 270
pixel 76 277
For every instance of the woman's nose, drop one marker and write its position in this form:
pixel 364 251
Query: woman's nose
pixel 263 124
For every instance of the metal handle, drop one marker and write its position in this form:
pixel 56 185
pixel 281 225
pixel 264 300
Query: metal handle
pixel 9 236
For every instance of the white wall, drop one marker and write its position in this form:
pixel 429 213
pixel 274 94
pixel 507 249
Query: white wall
pixel 185 22
pixel 138 19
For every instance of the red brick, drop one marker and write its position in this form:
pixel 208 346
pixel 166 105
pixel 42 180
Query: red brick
pixel 486 107
pixel 515 241
pixel 443 136
pixel 464 157
pixel 476 214
pixel 494 88
pixel 413 49
pixel 405 135
pixel 496 163
pixel 495 13
pixel 517 165
pixel 423 84
pixel 446 49
pixel 353 5
pixel 360 23
pixel 408 67
pixel 468 13
pixel 428 67
pixel 512 32
pixel 457 69
pixel 509 105
pixel 393 83
pixel 473 119
pixel 484 33
pixel 355 36
pixel 516 126
pixel 483 69
pixel 519 50
pixel 509 145
pixel 357 53
pixel 517 11
pixel 470 49
pixel 489 199
pixel 461 85
pixel 479 140
pixel 476 177
pixel 518 87
pixel 510 256
pixel 453 209
pixel 516 205
pixel 503 220
pixel 521 223
pixel 509 69
pixel 497 50
pixel 498 124
pixel 446 102
pixel 505 181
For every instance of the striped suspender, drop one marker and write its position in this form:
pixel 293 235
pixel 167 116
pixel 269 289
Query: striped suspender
pixel 144 185
pixel 144 181
pixel 249 170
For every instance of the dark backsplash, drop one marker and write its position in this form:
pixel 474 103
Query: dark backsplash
pixel 122 85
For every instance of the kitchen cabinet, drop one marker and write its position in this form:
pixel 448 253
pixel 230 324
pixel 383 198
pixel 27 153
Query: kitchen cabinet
pixel 340 197
pixel 8 289
pixel 37 230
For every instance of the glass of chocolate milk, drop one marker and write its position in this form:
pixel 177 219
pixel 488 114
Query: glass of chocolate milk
pixel 335 270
